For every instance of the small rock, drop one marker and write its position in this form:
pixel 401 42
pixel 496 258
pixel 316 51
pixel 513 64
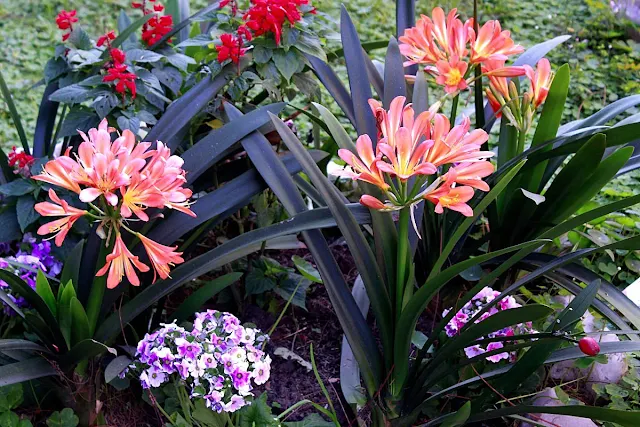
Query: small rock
pixel 548 397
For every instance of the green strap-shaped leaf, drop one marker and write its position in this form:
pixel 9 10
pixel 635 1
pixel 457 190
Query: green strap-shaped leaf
pixel 358 245
pixel 71 269
pixel 80 329
pixel 623 418
pixel 549 123
pixel 468 222
pixel 36 301
pixel 207 291
pixel 25 370
pixel 23 345
pixel 422 297
pixel 13 111
pixel 44 290
pixel 64 311
pixel 569 183
pixel 233 249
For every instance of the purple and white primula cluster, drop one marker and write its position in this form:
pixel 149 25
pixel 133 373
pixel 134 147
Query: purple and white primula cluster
pixel 471 308
pixel 219 360
pixel 25 259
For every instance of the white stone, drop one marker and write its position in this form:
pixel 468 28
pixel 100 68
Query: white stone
pixel 548 397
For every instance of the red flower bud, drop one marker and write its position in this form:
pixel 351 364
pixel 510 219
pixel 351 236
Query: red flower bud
pixel 117 55
pixel 158 7
pixel 136 5
pixel 589 346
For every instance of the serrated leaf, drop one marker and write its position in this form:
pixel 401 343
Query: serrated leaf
pixel 78 120
pixel 286 62
pixel 64 418
pixel 80 39
pixel 306 269
pixel 257 282
pixel 105 103
pixel 142 55
pixel 17 187
pixel 261 54
pixel 9 227
pixel 10 397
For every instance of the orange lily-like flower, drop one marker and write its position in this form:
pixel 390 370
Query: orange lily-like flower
pixel 162 257
pixel 125 178
pixel 454 198
pixel 456 145
pixel 58 172
pixel 59 208
pixel 364 164
pixel 121 262
pixel 540 81
pixel 405 160
pixel 471 174
pixel 451 74
pixel 492 42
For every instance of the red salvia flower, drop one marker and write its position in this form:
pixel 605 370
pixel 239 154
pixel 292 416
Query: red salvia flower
pixel 123 79
pixel 106 38
pixel 245 32
pixel 268 16
pixel 21 162
pixel 136 5
pixel 158 7
pixel 65 21
pixel 231 48
pixel 117 55
pixel 158 27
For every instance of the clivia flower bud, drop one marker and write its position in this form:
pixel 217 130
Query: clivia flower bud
pixel 589 346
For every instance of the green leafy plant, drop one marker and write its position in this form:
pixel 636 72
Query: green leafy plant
pixel 399 384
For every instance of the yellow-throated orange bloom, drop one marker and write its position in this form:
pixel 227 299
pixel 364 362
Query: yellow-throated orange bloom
pixel 61 208
pixel 405 160
pixel 541 80
pixel 162 257
pixel 364 164
pixel 471 174
pixel 456 145
pixel 124 178
pixel 454 198
pixel 492 42
pixel 451 74
pixel 121 262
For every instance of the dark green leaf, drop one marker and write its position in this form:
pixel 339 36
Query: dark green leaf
pixel 80 39
pixel 6 94
pixel 71 269
pixel 25 370
pixel 80 329
pixel 9 227
pixel 17 187
pixel 208 290
pixel 142 55
pixel 26 213
pixel 105 103
pixel 458 418
pixel 10 397
pixel 78 120
pixel 623 418
pixel 306 269
pixel 116 367
pixel 287 62
pixel 44 290
pixel 64 418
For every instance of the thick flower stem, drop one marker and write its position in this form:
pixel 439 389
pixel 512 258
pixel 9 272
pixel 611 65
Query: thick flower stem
pixel 454 110
pixel 401 267
pixel 94 304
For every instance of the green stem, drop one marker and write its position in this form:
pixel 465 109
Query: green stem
pixel 94 304
pixel 522 135
pixel 401 265
pixel 454 110
pixel 275 325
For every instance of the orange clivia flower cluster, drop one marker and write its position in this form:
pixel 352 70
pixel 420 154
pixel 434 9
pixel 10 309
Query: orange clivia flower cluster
pixel 450 48
pixel 517 106
pixel 118 180
pixel 419 148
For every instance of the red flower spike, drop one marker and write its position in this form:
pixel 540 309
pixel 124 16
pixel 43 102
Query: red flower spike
pixel 117 55
pixel 158 7
pixel 231 48
pixel 123 79
pixel 589 346
pixel 136 5
pixel 106 38
pixel 65 21
pixel 245 32
pixel 268 16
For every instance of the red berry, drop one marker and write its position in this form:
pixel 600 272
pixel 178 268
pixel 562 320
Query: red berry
pixel 589 346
